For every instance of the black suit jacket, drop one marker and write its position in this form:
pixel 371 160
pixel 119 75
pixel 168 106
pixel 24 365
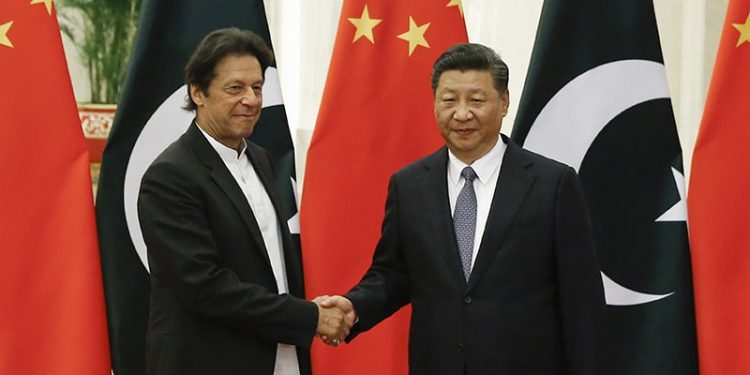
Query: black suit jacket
pixel 534 298
pixel 215 307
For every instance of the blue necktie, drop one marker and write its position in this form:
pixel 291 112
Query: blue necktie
pixel 465 220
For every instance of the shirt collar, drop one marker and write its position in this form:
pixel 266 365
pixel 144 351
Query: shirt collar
pixel 227 154
pixel 484 167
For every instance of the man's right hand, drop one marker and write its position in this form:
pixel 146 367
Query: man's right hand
pixel 335 319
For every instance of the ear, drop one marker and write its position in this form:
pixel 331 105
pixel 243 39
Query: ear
pixel 197 95
pixel 505 100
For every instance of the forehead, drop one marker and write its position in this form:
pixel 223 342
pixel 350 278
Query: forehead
pixel 465 79
pixel 238 66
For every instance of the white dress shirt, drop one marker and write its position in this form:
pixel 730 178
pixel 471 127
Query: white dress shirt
pixel 244 174
pixel 487 169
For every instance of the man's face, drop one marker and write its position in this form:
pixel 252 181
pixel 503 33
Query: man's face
pixel 231 106
pixel 469 112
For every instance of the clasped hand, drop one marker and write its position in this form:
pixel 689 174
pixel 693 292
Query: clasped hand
pixel 335 318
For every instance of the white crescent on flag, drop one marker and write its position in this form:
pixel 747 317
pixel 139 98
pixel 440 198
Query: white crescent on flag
pixel 567 126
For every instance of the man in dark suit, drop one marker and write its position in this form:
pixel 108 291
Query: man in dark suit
pixel 490 243
pixel 227 286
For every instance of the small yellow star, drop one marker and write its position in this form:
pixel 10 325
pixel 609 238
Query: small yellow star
pixel 47 3
pixel 364 25
pixel 457 3
pixel 415 35
pixel 4 41
pixel 744 30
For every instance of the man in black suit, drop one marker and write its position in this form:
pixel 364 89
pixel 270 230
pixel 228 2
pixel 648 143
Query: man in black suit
pixel 226 279
pixel 490 243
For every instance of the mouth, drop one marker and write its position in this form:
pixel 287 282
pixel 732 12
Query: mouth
pixel 464 131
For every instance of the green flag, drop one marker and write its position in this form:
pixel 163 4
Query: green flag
pixel 596 98
pixel 148 119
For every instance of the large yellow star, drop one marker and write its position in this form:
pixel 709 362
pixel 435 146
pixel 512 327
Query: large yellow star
pixel 744 30
pixel 415 35
pixel 457 3
pixel 364 25
pixel 47 3
pixel 4 41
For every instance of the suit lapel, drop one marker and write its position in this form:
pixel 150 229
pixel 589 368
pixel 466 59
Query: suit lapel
pixel 434 188
pixel 513 184
pixel 223 178
pixel 292 259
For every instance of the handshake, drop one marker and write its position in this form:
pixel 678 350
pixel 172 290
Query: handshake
pixel 336 316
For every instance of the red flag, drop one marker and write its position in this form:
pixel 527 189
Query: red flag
pixel 719 206
pixel 52 315
pixel 376 116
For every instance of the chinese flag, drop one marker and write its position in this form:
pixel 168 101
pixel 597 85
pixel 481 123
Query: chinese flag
pixel 52 317
pixel 719 206
pixel 376 116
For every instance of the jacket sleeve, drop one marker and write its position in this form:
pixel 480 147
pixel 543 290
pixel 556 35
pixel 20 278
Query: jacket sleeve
pixel 581 294
pixel 183 254
pixel 385 286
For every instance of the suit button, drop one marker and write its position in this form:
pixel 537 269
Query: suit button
pixel 460 347
pixel 467 300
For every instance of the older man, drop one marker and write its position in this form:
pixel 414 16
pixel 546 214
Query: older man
pixel 491 244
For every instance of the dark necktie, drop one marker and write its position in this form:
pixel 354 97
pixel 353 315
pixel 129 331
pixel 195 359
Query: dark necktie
pixel 465 220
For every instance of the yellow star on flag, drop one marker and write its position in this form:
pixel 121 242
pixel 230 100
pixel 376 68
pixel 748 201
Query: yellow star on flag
pixel 364 25
pixel 4 41
pixel 415 35
pixel 47 3
pixel 744 30
pixel 457 3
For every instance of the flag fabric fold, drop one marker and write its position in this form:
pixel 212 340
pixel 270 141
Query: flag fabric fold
pixel 596 98
pixel 149 117
pixel 718 205
pixel 51 297
pixel 376 116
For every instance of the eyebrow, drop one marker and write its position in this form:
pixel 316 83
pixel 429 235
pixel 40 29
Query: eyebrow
pixel 237 80
pixel 471 91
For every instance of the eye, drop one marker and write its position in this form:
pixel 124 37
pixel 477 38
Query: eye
pixel 258 89
pixel 234 89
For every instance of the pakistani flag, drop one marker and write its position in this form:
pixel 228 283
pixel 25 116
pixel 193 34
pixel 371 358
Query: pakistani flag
pixel 148 119
pixel 596 98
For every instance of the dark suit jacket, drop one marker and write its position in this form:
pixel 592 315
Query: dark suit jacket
pixel 215 307
pixel 534 297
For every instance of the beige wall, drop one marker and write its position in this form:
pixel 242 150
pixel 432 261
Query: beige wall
pixel 78 75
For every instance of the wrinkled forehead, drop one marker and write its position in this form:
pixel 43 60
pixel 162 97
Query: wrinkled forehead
pixel 466 79
pixel 234 64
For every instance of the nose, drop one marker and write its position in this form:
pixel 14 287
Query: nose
pixel 251 98
pixel 463 113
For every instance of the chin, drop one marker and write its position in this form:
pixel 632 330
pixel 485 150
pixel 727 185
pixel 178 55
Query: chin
pixel 464 145
pixel 246 129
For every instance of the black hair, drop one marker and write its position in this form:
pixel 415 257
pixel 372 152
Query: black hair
pixel 471 56
pixel 200 69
